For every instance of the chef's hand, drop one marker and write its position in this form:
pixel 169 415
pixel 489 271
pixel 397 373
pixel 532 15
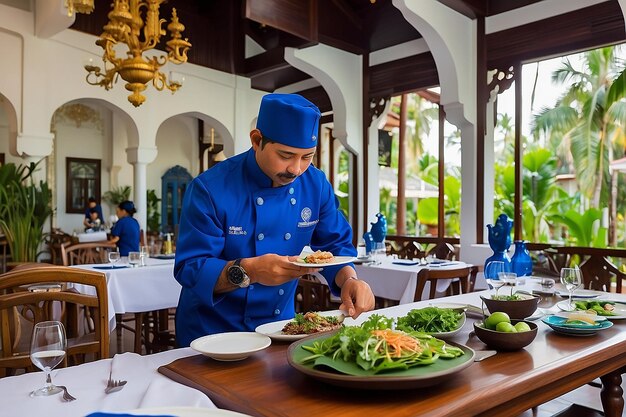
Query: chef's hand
pixel 356 295
pixel 272 269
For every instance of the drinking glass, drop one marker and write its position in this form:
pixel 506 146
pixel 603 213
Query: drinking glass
pixel 145 253
pixel 134 259
pixel 379 252
pixel 572 279
pixel 114 256
pixel 492 274
pixel 47 350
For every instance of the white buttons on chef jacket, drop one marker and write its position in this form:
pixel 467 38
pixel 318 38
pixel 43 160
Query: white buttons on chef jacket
pixel 259 201
pixel 293 201
pixel 276 312
pixel 291 190
pixel 260 236
pixel 281 292
pixel 287 236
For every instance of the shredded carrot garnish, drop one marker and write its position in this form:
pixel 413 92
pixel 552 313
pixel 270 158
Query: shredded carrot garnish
pixel 396 343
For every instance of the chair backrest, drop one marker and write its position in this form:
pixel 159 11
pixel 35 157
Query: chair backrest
pixel 407 250
pixel 432 275
pixel 35 294
pixel 598 273
pixel 312 295
pixel 86 253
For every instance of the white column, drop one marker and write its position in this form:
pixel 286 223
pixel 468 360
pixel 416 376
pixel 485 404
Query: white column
pixel 140 158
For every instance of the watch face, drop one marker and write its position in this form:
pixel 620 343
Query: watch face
pixel 236 275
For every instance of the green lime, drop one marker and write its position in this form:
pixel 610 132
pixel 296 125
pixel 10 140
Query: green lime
pixel 498 317
pixel 505 327
pixel 522 327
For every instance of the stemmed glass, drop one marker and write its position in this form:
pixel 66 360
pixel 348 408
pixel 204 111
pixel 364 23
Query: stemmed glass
pixel 47 350
pixel 114 256
pixel 572 279
pixel 492 275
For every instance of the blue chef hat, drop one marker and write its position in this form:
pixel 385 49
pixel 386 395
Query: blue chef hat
pixel 289 119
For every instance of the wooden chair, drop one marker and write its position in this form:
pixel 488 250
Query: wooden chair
pixel 313 295
pixel 34 294
pixel 407 250
pixel 598 273
pixel 86 253
pixel 55 240
pixel 443 250
pixel 433 275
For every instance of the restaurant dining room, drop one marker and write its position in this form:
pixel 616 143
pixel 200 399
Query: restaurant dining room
pixel 446 208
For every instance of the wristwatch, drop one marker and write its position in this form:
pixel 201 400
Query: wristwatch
pixel 237 275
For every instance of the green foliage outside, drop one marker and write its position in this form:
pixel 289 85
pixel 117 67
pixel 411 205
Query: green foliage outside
pixel 24 209
pixel 153 216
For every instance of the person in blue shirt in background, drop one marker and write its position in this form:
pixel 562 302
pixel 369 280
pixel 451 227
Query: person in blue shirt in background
pixel 125 233
pixel 244 222
pixel 91 205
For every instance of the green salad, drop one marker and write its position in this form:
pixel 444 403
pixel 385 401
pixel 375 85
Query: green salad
pixel 430 320
pixel 603 308
pixel 375 346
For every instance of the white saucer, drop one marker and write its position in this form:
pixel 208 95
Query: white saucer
pixel 233 346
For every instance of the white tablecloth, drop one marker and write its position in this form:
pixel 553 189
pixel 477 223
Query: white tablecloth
pixel 146 388
pixel 136 290
pixel 398 282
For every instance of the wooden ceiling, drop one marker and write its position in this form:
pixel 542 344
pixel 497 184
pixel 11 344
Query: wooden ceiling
pixel 217 30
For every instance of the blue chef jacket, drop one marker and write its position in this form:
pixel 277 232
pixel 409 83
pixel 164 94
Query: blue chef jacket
pixel 232 211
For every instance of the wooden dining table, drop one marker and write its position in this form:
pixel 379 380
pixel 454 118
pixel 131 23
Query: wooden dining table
pixel 505 384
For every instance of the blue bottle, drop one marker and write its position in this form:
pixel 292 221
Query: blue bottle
pixel 521 263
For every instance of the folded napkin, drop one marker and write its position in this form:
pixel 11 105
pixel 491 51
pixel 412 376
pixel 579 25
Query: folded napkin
pixel 103 414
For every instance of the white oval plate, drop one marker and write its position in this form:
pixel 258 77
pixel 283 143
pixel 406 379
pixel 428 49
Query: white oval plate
pixel 339 260
pixel 186 412
pixel 618 314
pixel 275 329
pixel 233 346
pixel 580 294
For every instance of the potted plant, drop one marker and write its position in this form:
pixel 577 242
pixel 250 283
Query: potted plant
pixel 24 208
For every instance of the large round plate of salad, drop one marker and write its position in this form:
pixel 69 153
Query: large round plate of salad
pixel 375 356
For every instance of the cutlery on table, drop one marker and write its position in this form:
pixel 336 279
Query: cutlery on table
pixel 114 385
pixel 67 397
pixel 483 354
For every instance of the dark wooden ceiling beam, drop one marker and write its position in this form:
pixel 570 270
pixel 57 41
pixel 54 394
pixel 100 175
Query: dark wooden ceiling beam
pixel 269 61
pixel 469 8
pixel 298 17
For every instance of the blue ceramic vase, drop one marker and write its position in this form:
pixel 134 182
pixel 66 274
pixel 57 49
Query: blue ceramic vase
pixel 499 242
pixel 521 263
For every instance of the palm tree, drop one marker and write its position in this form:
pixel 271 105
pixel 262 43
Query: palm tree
pixel 588 119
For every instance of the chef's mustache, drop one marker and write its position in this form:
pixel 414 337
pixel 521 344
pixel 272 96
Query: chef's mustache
pixel 287 175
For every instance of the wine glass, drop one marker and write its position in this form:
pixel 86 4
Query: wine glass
pixel 572 279
pixel 492 275
pixel 114 256
pixel 47 350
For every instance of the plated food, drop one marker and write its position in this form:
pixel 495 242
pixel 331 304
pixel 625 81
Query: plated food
pixel 375 356
pixel 311 322
pixel 609 309
pixel 337 260
pixel 275 329
pixel 574 326
pixel 436 321
pixel 319 257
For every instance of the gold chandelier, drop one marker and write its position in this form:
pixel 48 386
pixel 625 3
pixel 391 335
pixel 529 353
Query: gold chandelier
pixel 125 24
pixel 79 6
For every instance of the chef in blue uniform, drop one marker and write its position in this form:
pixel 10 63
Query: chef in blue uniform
pixel 247 218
